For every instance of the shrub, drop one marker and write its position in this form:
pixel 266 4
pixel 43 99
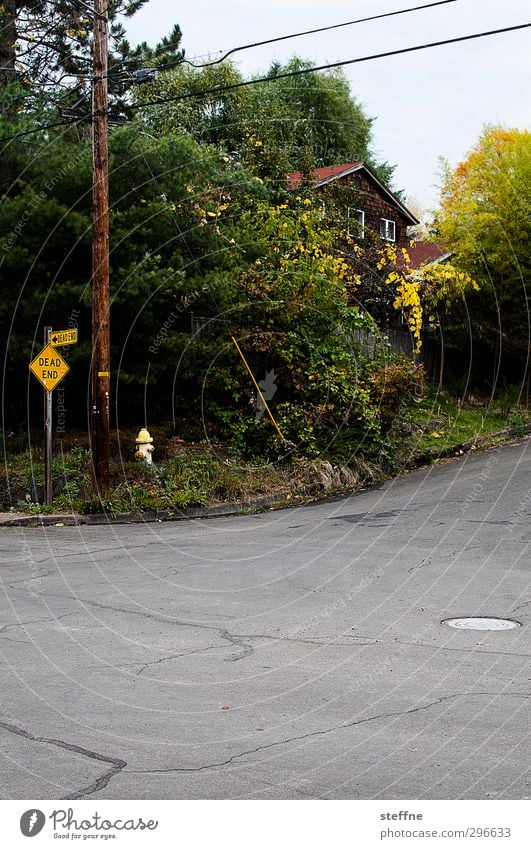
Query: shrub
pixel 393 387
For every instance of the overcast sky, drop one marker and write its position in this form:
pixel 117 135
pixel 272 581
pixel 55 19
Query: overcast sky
pixel 427 104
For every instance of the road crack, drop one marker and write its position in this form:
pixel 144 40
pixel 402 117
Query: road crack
pixel 238 641
pixel 31 578
pixel 172 657
pixel 117 764
pixel 319 733
pixel 520 606
pixel 35 621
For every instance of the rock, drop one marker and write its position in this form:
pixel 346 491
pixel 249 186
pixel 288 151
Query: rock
pixel 325 473
pixel 347 477
pixel 335 477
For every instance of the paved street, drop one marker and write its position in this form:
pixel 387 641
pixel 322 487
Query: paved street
pixel 294 654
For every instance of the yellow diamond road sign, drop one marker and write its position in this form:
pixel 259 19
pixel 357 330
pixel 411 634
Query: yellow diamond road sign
pixel 63 337
pixel 49 367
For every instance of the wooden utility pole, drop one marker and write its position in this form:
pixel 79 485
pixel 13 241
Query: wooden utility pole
pixel 100 374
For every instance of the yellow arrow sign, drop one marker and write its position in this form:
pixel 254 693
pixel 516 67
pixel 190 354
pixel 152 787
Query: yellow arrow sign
pixel 63 337
pixel 49 367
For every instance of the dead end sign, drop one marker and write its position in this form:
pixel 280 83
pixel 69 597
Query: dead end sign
pixel 49 367
pixel 63 337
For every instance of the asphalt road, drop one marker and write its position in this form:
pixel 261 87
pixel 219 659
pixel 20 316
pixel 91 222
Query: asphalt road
pixel 294 654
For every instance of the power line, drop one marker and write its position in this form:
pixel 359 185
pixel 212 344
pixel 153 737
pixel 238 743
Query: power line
pixel 299 72
pixel 310 32
pixel 233 50
pixel 177 62
pixel 47 96
pixel 44 127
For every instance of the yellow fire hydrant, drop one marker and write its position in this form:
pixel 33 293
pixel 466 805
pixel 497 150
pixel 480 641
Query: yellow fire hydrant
pixel 144 446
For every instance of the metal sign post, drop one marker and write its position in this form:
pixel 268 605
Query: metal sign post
pixel 49 368
pixel 48 415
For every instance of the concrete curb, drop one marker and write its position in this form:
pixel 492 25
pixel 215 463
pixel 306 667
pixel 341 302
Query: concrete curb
pixel 40 520
pixel 211 512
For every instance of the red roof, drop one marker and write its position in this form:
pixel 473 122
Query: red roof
pixel 321 176
pixel 295 178
pixel 420 253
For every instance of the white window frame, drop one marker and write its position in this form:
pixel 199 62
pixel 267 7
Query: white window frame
pixel 385 230
pixel 357 215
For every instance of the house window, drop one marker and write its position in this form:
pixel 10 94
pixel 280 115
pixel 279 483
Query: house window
pixel 356 222
pixel 357 182
pixel 388 229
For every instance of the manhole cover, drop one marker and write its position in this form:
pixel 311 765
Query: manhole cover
pixel 481 623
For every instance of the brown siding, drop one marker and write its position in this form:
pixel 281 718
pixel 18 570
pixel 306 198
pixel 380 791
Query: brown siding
pixel 376 207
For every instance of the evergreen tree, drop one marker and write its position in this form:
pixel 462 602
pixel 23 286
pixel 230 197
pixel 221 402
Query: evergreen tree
pixel 46 46
pixel 291 123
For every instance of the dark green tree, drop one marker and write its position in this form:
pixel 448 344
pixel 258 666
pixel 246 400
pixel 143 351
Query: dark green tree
pixel 294 123
pixel 46 46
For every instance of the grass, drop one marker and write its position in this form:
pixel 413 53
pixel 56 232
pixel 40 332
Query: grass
pixel 444 422
pixel 189 474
